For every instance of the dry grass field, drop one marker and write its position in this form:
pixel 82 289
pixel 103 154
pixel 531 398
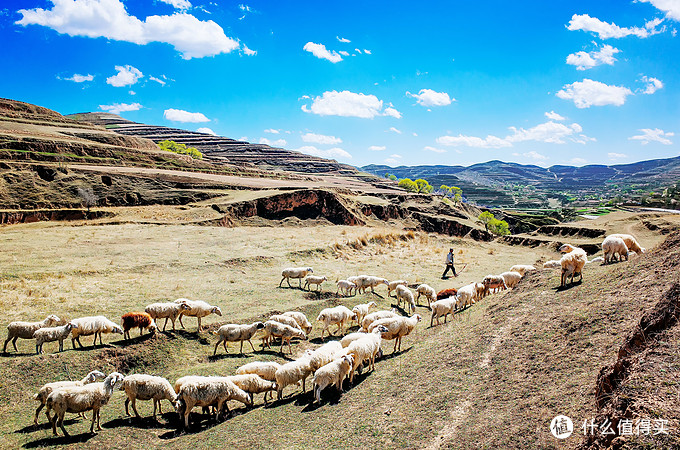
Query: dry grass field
pixel 493 378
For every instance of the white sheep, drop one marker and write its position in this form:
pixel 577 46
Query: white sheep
pixel 632 243
pixel 511 278
pixel 208 391
pixel 522 268
pixel 301 319
pixel 428 291
pixel 237 333
pixel 597 259
pixel 362 309
pixel 96 325
pixel 77 399
pixel 349 338
pixel 365 349
pixel 292 373
pixel 166 310
pixel 338 315
pixel 313 279
pixel 198 309
pixel 345 287
pixel 572 263
pixel 377 315
pixel 371 282
pixel 47 389
pixel 397 328
pixel 552 264
pixel 324 354
pixel 286 320
pixel 442 308
pixel 468 295
pixel 613 245
pixel 51 334
pixel 495 282
pixel 253 384
pixel 147 387
pixel 274 329
pixel 392 285
pixel 404 294
pixel 25 330
pixel 265 370
pixel 332 373
pixel 295 272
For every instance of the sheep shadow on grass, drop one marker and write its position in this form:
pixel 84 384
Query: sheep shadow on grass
pixel 14 355
pixel 319 295
pixel 566 287
pixel 171 422
pixel 199 422
pixel 287 356
pixel 221 356
pixel 331 396
pixel 60 440
pixel 44 426
pixel 401 310
pixel 132 341
pixel 195 336
pixel 318 341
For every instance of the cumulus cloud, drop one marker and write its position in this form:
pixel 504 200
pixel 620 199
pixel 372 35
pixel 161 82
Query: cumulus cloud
pixel 617 155
pixel 377 148
pixel 610 30
pixel 473 141
pixel 342 39
pixel 589 93
pixel 110 19
pixel 178 115
pixel 434 149
pixel 670 7
pixel 392 161
pixel 276 143
pixel 552 115
pixel 78 78
pixel 206 130
pixel 368 52
pixel 652 85
pixel 584 61
pixel 333 153
pixel 343 53
pixel 535 155
pixel 349 104
pixel 321 139
pixel 272 131
pixel 653 135
pixel 126 76
pixel 248 52
pixel 578 161
pixel 179 4
pixel 118 108
pixel 320 51
pixel 428 97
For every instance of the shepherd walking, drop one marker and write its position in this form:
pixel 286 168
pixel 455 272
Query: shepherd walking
pixel 449 265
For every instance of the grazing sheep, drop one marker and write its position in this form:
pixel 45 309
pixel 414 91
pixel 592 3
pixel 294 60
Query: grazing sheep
pixel 442 308
pixel 96 325
pixel 613 245
pixel 313 279
pixel 365 349
pixel 479 290
pixel 324 354
pixel 25 330
pixel 235 333
pixel 631 243
pixel 47 389
pixel 253 384
pixel 332 373
pixel 429 293
pixel 141 320
pixel 397 328
pixel 552 264
pixel 393 285
pixel 206 391
pixel 76 399
pixel 572 263
pixel 166 310
pixel 295 272
pixel 446 293
pixel 147 387
pixel 362 309
pixel 279 330
pixel 339 315
pixel 286 320
pixel 198 309
pixel 345 287
pixel 46 334
pixel 495 282
pixel 468 295
pixel 404 294
pixel 301 319
pixel 292 373
pixel 265 370
pixel 598 259
pixel 372 317
pixel 511 278
pixel 522 268
pixel 372 282
pixel 349 338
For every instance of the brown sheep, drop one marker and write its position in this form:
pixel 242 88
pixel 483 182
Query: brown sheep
pixel 139 320
pixel 446 293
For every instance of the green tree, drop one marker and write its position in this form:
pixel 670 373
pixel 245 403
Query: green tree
pixel 423 186
pixel 485 218
pixel 444 190
pixel 499 227
pixel 392 177
pixel 408 185
pixel 182 149
pixel 457 194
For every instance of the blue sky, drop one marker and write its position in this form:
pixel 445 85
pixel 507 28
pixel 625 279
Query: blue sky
pixel 450 82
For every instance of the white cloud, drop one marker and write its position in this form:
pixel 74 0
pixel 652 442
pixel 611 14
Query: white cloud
pixel 552 115
pixel 118 108
pixel 392 161
pixel 395 156
pixel 110 19
pixel 245 8
pixel 179 4
pixel 617 155
pixel 655 135
pixel 343 53
pixel 78 78
pixel 321 139
pixel 248 52
pixel 178 115
pixel 349 104
pixel 395 130
pixel 157 80
pixel 610 30
pixel 368 52
pixel 428 97
pixel 272 131
pixel 333 153
pixel 132 93
pixel 276 143
pixel 653 85
pixel 583 60
pixel 670 7
pixel 342 39
pixel 320 51
pixel 578 161
pixel 357 50
pixel 473 141
pixel 589 93
pixel 535 155
pixel 377 148
pixel 206 130
pixel 126 76
pixel 434 149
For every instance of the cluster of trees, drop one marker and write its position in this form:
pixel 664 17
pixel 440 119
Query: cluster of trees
pixel 424 187
pixel 182 149
pixel 493 225
pixel 451 191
